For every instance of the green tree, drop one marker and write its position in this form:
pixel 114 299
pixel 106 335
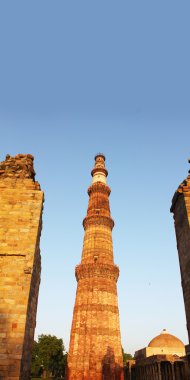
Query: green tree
pixel 126 356
pixel 36 364
pixel 48 357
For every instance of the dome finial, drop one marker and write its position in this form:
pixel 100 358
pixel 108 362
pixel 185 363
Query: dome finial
pixel 100 155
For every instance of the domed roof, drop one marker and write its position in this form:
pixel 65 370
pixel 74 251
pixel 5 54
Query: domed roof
pixel 166 340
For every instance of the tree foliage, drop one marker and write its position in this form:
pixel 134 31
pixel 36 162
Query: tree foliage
pixel 126 356
pixel 48 356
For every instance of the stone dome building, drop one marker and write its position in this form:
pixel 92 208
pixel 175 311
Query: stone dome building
pixel 164 359
pixel 163 344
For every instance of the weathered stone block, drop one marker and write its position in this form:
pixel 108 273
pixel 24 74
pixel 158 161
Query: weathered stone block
pixel 21 204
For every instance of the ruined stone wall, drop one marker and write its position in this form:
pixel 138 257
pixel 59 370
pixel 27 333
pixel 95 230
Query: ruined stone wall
pixel 21 203
pixel 181 210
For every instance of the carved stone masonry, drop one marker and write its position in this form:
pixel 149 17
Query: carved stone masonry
pixel 181 210
pixel 95 343
pixel 20 166
pixel 21 205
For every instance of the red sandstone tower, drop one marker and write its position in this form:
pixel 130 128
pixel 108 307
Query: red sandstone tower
pixel 95 343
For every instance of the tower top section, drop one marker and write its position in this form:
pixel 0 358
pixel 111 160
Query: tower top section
pixel 99 171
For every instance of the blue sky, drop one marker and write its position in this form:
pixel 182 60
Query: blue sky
pixel 77 78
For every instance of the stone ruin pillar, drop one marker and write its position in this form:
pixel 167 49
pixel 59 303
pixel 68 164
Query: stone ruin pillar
pixel 21 205
pixel 181 211
pixel 95 343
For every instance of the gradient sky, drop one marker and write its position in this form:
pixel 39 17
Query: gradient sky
pixel 79 77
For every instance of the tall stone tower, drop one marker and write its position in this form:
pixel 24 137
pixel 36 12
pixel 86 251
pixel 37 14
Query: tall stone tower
pixel 21 203
pixel 181 210
pixel 95 344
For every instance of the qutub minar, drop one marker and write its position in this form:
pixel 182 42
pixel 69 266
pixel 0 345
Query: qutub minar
pixel 95 351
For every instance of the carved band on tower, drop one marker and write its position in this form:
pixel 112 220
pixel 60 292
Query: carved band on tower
pixel 95 344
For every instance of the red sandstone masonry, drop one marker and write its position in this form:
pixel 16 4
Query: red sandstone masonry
pixel 181 210
pixel 95 343
pixel 21 204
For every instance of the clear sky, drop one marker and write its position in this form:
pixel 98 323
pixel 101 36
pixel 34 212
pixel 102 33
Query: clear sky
pixel 79 77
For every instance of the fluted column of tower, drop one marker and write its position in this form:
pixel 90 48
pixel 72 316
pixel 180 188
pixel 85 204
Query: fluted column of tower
pixel 95 343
